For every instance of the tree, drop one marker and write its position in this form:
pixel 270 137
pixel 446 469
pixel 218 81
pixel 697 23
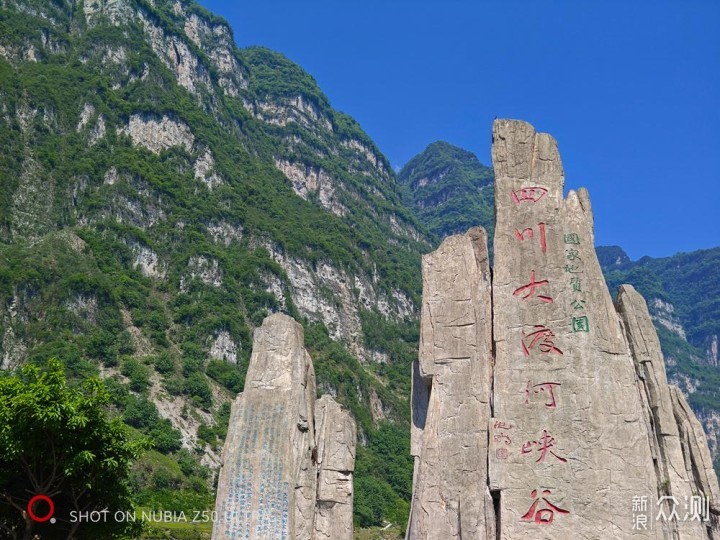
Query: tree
pixel 57 440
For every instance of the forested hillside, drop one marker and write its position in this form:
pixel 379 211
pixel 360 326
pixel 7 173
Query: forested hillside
pixel 449 190
pixel 161 192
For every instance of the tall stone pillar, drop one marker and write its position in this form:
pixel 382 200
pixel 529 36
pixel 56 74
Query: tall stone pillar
pixel 561 425
pixel 335 457
pixel 570 448
pixel 288 459
pixel 451 395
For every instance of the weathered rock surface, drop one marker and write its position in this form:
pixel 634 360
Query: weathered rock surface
pixel 451 394
pixel 562 361
pixel 584 437
pixel 667 416
pixel 277 480
pixel 263 486
pixel 158 134
pixel 335 435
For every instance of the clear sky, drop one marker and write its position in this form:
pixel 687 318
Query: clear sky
pixel 631 90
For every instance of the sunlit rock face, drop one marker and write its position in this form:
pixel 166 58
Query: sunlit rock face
pixel 452 385
pixel 287 462
pixel 560 423
pixel 335 435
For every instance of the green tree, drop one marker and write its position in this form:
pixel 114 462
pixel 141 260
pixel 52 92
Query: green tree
pixel 57 440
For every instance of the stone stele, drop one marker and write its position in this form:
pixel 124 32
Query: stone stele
pixel 540 408
pixel 282 478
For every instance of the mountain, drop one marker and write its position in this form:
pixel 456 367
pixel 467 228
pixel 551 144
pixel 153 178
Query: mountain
pixel 161 192
pixel 683 291
pixel 448 189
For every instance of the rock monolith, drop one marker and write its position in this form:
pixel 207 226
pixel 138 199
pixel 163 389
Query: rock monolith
pixel 272 483
pixel 540 408
pixel 335 436
pixel 451 392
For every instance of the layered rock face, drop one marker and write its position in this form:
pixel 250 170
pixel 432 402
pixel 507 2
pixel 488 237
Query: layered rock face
pixel 561 424
pixel 281 477
pixel 451 391
pixel 335 436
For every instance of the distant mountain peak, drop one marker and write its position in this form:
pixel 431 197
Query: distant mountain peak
pixel 449 189
pixel 611 256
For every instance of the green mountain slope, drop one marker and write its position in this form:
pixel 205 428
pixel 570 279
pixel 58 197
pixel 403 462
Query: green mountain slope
pixel 449 189
pixel 162 191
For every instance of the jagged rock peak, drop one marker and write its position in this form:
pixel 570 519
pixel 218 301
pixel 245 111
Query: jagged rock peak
pixel 282 478
pixel 563 421
pixel 685 467
pixel 451 390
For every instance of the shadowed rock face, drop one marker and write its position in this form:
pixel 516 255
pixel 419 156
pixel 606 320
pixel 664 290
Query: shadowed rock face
pixel 562 423
pixel 280 477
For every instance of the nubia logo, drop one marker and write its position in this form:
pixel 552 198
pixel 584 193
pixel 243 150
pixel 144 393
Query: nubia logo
pixel 41 518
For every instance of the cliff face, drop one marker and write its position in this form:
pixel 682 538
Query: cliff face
pixel 162 191
pixel 172 83
pixel 582 426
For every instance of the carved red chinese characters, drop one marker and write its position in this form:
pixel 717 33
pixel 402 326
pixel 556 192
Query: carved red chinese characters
pixel 529 194
pixel 530 289
pixel 544 446
pixel 542 387
pixel 520 235
pixel 543 516
pixel 543 338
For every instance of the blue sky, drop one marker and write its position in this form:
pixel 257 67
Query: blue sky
pixel 631 90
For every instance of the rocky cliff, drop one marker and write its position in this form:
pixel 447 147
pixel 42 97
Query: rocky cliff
pixel 450 191
pixel 682 293
pixel 539 406
pixel 161 192
pixel 288 459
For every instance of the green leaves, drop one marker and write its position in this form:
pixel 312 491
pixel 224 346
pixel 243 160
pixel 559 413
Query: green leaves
pixel 57 438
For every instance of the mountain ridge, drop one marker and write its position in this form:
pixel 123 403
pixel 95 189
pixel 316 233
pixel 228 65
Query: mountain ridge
pixel 441 186
pixel 162 192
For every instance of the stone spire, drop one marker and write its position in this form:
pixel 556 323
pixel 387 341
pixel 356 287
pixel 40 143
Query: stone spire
pixel 451 394
pixel 584 437
pixel 573 452
pixel 680 452
pixel 335 436
pixel 268 486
